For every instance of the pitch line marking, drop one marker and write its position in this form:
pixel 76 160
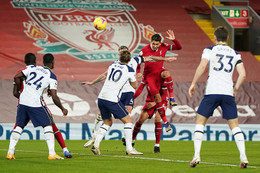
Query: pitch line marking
pixel 142 158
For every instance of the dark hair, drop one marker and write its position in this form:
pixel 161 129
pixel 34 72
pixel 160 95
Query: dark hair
pixel 221 33
pixel 48 59
pixel 30 59
pixel 122 47
pixel 156 37
pixel 125 56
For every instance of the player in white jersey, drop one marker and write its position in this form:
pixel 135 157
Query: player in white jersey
pixel 127 93
pixel 119 73
pixel 31 106
pixel 222 61
pixel 30 60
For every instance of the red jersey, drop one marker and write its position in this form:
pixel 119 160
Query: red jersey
pixel 151 67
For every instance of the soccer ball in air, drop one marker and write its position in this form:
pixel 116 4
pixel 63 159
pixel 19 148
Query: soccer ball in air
pixel 100 23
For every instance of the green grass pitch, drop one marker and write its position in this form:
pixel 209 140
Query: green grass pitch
pixel 31 156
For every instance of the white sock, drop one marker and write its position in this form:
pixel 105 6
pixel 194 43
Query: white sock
pixel 240 141
pixel 49 138
pixel 128 136
pixel 65 149
pixel 15 136
pixel 100 135
pixel 98 123
pixel 198 135
pixel 157 145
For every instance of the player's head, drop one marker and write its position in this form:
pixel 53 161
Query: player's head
pixel 30 59
pixel 221 34
pixel 48 60
pixel 122 48
pixel 125 57
pixel 156 41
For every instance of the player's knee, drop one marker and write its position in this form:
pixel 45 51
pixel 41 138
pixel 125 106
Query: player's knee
pixel 165 74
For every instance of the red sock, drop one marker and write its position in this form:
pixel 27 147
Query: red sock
pixel 58 136
pixel 136 130
pixel 160 109
pixel 158 132
pixel 169 83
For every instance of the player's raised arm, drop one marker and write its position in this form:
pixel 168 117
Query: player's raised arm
pixel 98 79
pixel 171 36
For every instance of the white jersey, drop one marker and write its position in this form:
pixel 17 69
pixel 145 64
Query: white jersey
pixel 222 62
pixel 38 78
pixel 134 62
pixel 117 76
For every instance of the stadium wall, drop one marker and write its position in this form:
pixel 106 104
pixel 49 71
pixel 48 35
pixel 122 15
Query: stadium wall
pixel 83 131
pixel 62 29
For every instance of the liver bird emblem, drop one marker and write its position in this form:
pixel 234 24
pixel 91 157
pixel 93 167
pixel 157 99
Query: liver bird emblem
pixel 103 38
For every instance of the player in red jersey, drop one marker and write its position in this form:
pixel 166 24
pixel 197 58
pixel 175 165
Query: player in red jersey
pixel 149 110
pixel 154 71
pixel 30 60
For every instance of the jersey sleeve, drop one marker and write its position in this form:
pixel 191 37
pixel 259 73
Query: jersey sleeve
pixel 53 82
pixel 206 53
pixel 139 59
pixel 176 46
pixel 132 77
pixel 26 72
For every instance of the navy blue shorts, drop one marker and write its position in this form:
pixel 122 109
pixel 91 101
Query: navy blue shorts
pixel 108 108
pixel 210 102
pixel 39 116
pixel 127 99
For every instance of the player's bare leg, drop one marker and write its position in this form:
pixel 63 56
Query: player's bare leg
pixel 198 135
pixel 240 141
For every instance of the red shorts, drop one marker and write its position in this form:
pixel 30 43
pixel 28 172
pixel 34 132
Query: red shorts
pixel 154 81
pixel 152 110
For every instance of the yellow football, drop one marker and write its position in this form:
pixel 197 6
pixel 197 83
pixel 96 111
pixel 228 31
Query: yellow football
pixel 100 23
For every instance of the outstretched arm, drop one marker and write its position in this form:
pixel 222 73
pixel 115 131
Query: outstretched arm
pixel 200 70
pixel 158 58
pixel 98 79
